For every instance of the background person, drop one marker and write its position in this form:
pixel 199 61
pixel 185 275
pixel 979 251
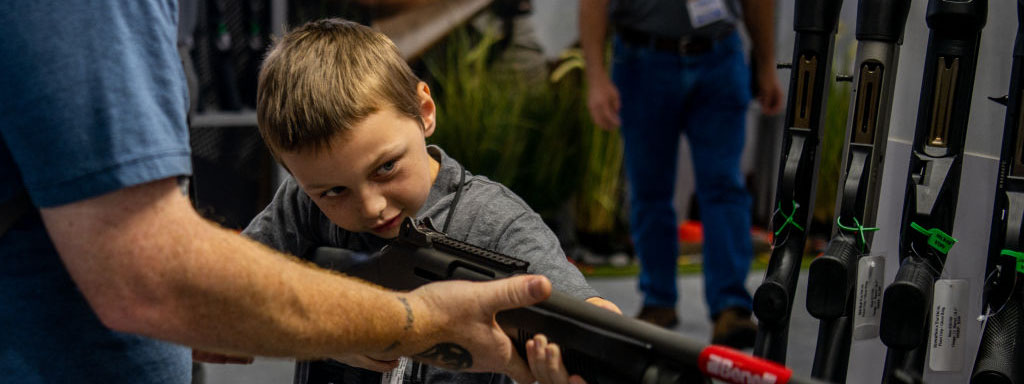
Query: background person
pixel 678 68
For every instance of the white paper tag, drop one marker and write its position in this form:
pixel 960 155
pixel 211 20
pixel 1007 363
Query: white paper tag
pixel 949 310
pixel 395 376
pixel 704 12
pixel 870 286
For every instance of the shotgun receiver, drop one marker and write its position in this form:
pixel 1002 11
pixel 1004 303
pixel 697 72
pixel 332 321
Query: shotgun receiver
pixel 597 344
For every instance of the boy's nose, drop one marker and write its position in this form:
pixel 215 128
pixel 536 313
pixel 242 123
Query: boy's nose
pixel 373 204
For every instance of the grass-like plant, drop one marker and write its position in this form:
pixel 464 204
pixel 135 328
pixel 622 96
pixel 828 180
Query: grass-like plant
pixel 536 138
pixel 598 201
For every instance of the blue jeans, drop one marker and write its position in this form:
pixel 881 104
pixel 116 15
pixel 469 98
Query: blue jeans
pixel 705 97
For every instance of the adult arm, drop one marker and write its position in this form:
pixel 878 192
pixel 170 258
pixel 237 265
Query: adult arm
pixel 148 264
pixel 759 18
pixel 602 96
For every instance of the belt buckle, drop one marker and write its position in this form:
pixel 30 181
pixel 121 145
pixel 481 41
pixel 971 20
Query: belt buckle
pixel 693 45
pixel 683 46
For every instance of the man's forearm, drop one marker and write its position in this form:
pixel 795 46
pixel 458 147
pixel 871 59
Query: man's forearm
pixel 759 18
pixel 149 265
pixel 593 30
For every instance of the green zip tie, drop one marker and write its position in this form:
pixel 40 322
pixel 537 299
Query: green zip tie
pixel 1018 255
pixel 860 229
pixel 789 219
pixel 939 240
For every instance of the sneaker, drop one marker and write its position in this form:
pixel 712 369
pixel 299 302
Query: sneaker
pixel 664 317
pixel 734 328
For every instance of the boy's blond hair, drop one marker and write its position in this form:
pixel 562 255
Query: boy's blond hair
pixel 325 77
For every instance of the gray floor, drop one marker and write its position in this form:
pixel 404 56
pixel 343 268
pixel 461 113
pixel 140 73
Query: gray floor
pixel 622 291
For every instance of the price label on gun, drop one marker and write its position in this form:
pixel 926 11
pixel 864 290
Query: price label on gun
pixel 949 308
pixel 870 286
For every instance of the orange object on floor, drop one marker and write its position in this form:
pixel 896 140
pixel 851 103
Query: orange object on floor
pixel 691 231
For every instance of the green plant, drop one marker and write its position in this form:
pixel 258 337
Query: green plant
pixel 537 139
pixel 599 196
pixel 524 136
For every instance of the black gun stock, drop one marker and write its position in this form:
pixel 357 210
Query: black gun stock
pixel 933 181
pixel 1000 358
pixel 597 344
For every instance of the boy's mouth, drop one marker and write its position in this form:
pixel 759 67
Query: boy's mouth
pixel 388 225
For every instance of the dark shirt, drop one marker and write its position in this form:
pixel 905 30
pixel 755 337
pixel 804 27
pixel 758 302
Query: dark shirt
pixel 671 18
pixel 93 100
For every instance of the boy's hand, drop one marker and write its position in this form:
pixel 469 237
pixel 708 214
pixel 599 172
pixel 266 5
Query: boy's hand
pixel 546 362
pixel 219 358
pixel 604 304
pixel 458 329
pixel 546 358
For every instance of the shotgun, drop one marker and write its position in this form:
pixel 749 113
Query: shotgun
pixel 933 181
pixel 832 277
pixel 999 357
pixel 815 23
pixel 597 344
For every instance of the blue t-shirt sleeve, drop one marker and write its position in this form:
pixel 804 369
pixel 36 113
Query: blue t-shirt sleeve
pixel 93 97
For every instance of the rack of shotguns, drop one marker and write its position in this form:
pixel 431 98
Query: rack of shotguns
pixel 926 225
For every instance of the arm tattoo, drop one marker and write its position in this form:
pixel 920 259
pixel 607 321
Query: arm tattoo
pixel 448 356
pixel 408 322
pixel 408 313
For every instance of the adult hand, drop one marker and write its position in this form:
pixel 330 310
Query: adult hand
pixel 603 102
pixel 461 333
pixel 769 91
pixel 367 362
pixel 219 358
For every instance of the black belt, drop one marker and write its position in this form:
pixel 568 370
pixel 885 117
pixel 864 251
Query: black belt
pixel 686 45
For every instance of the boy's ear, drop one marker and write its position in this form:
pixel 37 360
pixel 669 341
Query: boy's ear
pixel 428 110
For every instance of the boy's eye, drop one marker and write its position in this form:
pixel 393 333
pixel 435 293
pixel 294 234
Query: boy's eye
pixel 385 168
pixel 332 192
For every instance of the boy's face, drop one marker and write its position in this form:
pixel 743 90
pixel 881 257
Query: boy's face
pixel 374 175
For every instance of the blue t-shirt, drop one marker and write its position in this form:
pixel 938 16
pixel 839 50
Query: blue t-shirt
pixel 92 99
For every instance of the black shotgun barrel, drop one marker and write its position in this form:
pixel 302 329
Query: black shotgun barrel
pixel 882 20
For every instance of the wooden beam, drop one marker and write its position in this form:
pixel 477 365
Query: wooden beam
pixel 416 29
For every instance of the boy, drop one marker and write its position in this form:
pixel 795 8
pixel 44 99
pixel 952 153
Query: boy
pixel 346 116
